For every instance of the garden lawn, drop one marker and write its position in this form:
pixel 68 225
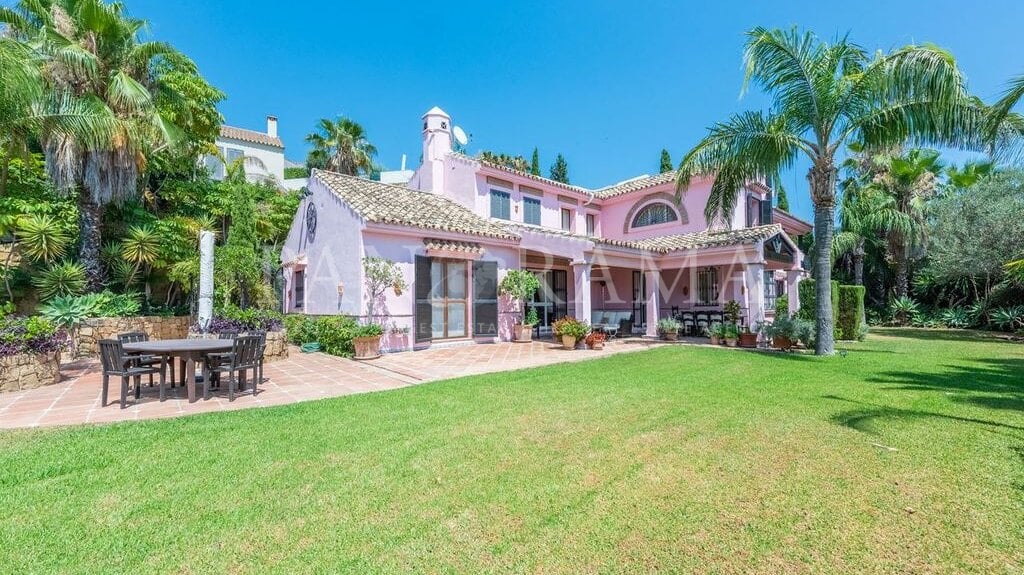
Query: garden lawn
pixel 905 456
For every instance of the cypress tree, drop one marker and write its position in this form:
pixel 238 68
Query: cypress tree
pixel 783 201
pixel 560 170
pixel 666 162
pixel 535 163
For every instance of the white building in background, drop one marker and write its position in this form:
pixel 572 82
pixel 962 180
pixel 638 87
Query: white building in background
pixel 263 154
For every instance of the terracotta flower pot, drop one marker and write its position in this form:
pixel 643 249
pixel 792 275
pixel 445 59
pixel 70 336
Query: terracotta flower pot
pixel 522 333
pixel 568 342
pixel 748 339
pixel 782 342
pixel 670 335
pixel 731 342
pixel 714 340
pixel 367 347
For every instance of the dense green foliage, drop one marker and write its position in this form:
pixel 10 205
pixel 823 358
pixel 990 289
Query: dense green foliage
pixel 535 162
pixel 296 172
pixel 71 310
pixel 850 323
pixel 901 457
pixel 809 299
pixel 341 146
pixel 334 333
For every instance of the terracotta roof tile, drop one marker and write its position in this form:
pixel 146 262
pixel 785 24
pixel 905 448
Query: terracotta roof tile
pixel 453 246
pixel 250 136
pixel 391 204
pixel 635 184
pixel 704 239
pixel 528 175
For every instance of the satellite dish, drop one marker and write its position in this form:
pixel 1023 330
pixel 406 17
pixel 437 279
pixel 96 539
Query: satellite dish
pixel 460 136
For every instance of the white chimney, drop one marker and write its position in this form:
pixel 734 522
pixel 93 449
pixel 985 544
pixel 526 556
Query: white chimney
pixel 272 126
pixel 403 162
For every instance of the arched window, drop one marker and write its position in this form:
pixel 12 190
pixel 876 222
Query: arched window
pixel 658 213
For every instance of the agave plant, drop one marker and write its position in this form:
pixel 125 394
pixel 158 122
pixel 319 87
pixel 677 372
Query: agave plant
pixel 64 278
pixel 41 238
pixel 69 311
pixel 1008 318
pixel 903 310
pixel 956 317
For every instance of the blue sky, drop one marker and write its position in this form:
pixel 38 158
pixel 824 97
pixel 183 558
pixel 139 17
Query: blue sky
pixel 608 84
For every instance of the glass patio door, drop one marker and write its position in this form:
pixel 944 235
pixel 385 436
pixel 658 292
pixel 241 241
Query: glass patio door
pixel 550 300
pixel 448 280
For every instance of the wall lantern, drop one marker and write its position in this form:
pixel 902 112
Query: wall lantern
pixel 341 289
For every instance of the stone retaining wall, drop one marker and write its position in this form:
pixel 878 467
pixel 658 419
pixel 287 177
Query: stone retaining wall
pixel 277 344
pixel 91 331
pixel 29 370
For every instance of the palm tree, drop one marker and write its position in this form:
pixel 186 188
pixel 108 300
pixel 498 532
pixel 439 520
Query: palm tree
pixel 27 109
pixel 824 96
pixel 341 146
pixel 856 228
pixel 906 184
pixel 1005 130
pixel 94 55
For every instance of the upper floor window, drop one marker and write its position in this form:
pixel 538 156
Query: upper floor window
pixel 501 203
pixel 531 211
pixel 566 219
pixel 591 224
pixel 658 213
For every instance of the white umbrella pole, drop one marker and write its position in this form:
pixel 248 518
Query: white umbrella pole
pixel 205 278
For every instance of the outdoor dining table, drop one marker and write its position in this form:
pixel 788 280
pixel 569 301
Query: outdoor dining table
pixel 188 350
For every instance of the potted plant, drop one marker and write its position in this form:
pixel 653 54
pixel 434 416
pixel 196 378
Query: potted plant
pixel 731 334
pixel 596 340
pixel 748 338
pixel 366 341
pixel 669 328
pixel 520 285
pixel 380 275
pixel 715 333
pixel 572 331
pixel 732 312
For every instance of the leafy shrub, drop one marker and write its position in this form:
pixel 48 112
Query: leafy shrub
pixel 296 172
pixel 250 319
pixel 573 327
pixel 668 325
pixel 369 330
pixel 333 333
pixel 809 298
pixel 782 306
pixel 851 311
pixel 30 335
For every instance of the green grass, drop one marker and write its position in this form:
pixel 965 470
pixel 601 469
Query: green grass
pixel 905 456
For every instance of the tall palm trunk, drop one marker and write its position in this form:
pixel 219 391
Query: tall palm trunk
pixel 902 271
pixel 822 180
pixel 90 218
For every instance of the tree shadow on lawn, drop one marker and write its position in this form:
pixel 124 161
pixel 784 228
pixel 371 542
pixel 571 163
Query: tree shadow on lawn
pixel 943 334
pixel 993 383
pixel 862 419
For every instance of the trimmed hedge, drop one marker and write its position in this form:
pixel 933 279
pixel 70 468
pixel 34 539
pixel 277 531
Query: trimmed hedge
pixel 809 298
pixel 851 312
pixel 298 172
pixel 334 333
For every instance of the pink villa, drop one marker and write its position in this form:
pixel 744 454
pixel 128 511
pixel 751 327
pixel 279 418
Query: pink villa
pixel 622 256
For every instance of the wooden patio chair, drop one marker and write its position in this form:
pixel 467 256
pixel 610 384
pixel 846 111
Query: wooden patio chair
pixel 118 364
pixel 142 359
pixel 244 356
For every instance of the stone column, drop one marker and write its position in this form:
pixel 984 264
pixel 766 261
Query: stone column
pixel 653 280
pixel 205 278
pixel 581 280
pixel 753 281
pixel 793 278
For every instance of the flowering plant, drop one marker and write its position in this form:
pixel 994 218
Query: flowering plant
pixel 30 335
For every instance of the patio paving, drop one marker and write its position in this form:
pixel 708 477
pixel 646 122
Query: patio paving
pixel 301 377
